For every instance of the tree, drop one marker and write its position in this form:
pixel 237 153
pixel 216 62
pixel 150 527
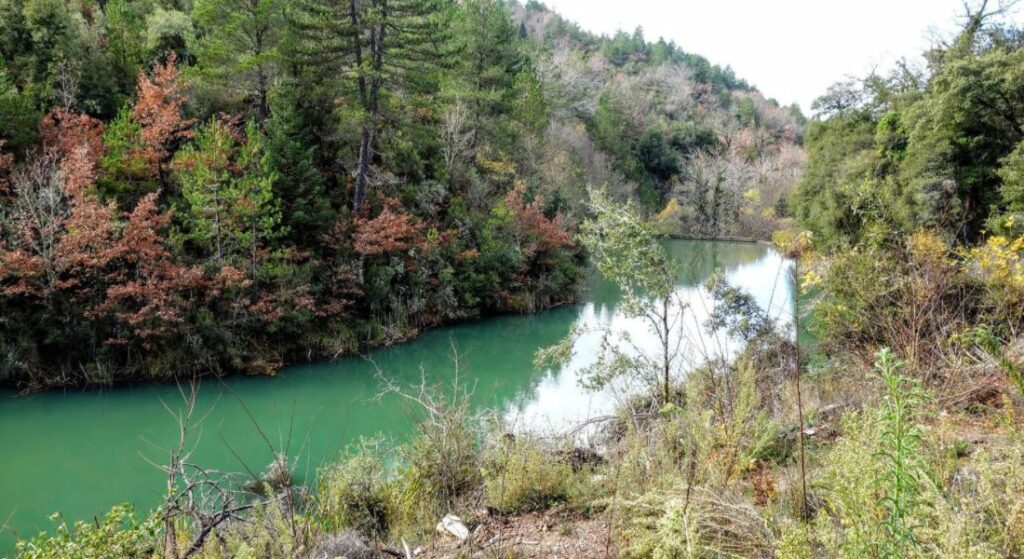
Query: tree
pixel 626 251
pixel 228 187
pixel 1011 192
pixel 151 293
pixel 967 121
pixel 18 114
pixel 128 172
pixel 125 41
pixel 388 46
pixel 238 51
pixel 492 59
pixel 158 111
pixel 305 207
pixel 170 32
pixel 35 36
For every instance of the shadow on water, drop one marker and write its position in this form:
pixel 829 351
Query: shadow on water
pixel 82 452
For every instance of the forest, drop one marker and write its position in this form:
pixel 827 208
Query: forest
pixel 232 185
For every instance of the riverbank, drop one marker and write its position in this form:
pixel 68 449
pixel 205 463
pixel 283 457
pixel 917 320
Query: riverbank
pixel 325 406
pixel 670 482
pixel 307 355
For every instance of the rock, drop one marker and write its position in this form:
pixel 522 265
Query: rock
pixel 453 525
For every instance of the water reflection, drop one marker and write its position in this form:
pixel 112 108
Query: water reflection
pixel 82 452
pixel 557 402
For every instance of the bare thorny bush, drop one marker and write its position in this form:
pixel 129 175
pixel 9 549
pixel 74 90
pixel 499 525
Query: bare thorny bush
pixel 442 460
pixel 203 503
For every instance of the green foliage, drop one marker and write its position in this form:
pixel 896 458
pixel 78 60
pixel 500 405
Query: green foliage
pixel 18 114
pixel 625 249
pixel 125 39
pixel 300 187
pixel 229 191
pixel 238 52
pixel 118 534
pixel 356 493
pixel 520 476
pixel 900 444
pixel 169 30
pixel 894 154
pixel 1010 223
pixel 126 170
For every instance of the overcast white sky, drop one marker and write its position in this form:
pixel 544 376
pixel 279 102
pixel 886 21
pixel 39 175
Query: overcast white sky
pixel 790 49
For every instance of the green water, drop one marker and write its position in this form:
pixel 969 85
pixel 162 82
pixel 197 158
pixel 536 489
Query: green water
pixel 81 452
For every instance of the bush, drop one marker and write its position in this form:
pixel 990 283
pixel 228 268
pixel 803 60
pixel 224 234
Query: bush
pixel 356 494
pixel 119 534
pixel 520 476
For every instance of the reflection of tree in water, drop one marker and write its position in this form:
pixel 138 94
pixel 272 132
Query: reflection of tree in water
pixel 699 259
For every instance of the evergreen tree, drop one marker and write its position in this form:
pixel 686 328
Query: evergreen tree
pixel 228 187
pixel 388 47
pixel 492 60
pixel 18 114
pixel 238 52
pixel 306 209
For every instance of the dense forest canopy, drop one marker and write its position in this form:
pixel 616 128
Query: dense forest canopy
pixel 937 146
pixel 231 184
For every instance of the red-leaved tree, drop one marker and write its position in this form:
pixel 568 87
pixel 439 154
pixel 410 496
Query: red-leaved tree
pixel 158 110
pixel 535 233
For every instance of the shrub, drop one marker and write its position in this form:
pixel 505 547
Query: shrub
pixel 119 534
pixel 520 476
pixel 704 526
pixel 356 494
pixel 441 465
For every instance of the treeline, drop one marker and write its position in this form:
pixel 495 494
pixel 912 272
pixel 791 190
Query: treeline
pixel 233 184
pixel 938 146
pixel 695 144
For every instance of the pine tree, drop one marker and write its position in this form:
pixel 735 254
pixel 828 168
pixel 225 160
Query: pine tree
pixel 306 210
pixel 239 53
pixel 228 186
pixel 385 48
pixel 492 63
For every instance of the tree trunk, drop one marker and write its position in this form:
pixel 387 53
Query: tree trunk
pixel 665 350
pixel 796 380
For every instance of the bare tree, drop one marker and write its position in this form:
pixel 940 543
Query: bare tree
pixel 455 138
pixel 207 499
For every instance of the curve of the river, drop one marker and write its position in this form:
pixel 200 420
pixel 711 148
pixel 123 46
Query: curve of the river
pixel 80 452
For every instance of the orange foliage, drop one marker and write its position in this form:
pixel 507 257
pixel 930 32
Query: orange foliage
pixel 67 131
pixel 534 231
pixel 68 244
pixel 151 291
pixel 389 232
pixel 158 111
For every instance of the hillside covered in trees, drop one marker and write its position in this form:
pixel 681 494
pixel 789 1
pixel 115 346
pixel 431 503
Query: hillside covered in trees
pixel 229 185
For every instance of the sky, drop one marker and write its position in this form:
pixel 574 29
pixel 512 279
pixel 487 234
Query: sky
pixel 791 50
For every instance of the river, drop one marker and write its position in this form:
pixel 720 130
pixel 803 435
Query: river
pixel 80 452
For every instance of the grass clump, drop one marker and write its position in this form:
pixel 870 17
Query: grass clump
pixel 520 476
pixel 357 494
